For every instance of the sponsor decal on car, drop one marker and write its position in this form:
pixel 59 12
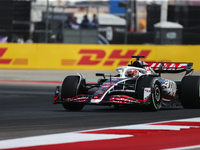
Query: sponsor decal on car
pixel 123 99
pixel 168 88
pixel 108 83
pixel 167 66
pixel 78 98
pixel 147 93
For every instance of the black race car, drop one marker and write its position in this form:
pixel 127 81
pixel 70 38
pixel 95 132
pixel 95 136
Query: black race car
pixel 138 84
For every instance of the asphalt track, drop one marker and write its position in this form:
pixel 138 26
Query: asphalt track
pixel 26 108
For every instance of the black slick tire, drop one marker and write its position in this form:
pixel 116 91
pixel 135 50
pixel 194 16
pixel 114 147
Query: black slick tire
pixel 70 89
pixel 189 92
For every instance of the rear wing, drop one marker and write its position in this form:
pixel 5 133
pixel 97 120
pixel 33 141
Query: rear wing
pixel 164 67
pixel 171 67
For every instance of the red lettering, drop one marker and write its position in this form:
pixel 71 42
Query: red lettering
pixel 4 61
pixel 123 58
pixel 86 60
pixel 2 51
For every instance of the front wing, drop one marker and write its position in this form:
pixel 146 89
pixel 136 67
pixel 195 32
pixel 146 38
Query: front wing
pixel 107 100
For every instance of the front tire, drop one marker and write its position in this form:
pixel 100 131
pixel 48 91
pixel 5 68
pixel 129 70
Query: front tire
pixel 189 92
pixel 70 89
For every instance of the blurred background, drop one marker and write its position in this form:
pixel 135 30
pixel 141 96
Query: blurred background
pixel 100 22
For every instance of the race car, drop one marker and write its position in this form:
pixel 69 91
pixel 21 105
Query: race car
pixel 138 84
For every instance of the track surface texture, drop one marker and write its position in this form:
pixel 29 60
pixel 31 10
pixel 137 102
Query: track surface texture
pixel 26 109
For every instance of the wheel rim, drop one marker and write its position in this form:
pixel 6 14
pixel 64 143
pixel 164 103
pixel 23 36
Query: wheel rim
pixel 157 94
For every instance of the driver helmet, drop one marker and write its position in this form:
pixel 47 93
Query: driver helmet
pixel 132 73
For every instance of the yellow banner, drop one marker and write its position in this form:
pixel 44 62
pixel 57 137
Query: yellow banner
pixel 90 57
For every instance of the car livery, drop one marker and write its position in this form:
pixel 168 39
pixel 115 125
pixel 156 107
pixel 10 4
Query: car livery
pixel 138 84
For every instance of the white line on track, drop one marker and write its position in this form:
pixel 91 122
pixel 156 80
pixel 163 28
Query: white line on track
pixel 154 127
pixel 71 137
pixel 196 147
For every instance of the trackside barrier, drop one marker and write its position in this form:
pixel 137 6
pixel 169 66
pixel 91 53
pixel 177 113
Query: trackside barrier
pixel 90 57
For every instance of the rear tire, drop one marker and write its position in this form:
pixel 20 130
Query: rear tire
pixel 70 89
pixel 189 92
pixel 155 100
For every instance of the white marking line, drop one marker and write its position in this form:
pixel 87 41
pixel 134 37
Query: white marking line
pixel 148 127
pixel 71 137
pixel 56 139
pixel 185 148
pixel 197 119
pixel 190 120
pixel 155 127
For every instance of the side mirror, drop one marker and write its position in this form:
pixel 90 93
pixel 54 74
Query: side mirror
pixel 100 74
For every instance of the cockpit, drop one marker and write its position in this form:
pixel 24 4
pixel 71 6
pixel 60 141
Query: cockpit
pixel 127 71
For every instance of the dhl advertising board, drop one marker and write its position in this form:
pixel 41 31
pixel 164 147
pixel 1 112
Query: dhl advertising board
pixel 90 57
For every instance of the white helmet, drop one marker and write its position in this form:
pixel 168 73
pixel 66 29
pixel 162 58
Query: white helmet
pixel 132 73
